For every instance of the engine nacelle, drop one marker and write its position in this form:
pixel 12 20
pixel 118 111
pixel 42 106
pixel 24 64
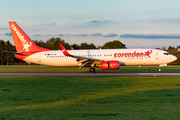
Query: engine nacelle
pixel 106 65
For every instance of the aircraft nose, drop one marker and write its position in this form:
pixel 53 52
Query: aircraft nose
pixel 173 58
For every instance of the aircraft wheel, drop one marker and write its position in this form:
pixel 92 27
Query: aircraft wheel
pixel 92 70
pixel 159 69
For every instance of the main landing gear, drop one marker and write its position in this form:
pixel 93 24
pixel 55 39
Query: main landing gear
pixel 92 70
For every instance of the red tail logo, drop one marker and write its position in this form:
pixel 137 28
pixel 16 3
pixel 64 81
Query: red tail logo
pixel 21 37
pixel 22 42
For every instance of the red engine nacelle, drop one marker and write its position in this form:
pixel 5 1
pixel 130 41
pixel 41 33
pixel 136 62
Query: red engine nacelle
pixel 106 65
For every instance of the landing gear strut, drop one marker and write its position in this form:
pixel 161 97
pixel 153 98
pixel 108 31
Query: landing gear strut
pixel 92 70
pixel 159 69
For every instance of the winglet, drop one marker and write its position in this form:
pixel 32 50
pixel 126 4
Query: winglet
pixel 64 50
pixel 72 48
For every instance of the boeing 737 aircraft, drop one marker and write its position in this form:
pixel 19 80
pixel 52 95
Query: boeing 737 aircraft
pixel 104 58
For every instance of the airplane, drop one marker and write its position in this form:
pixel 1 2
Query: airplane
pixel 106 59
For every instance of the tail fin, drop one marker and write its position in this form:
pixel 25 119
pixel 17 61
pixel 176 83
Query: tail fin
pixel 22 42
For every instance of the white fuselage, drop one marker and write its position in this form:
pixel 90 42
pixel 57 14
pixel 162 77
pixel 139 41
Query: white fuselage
pixel 126 57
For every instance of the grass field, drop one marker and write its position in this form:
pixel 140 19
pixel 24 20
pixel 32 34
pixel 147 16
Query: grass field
pixel 76 69
pixel 88 98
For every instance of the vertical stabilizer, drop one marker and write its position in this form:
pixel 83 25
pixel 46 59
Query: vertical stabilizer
pixel 22 42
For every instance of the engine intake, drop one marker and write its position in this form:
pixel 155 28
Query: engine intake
pixel 106 65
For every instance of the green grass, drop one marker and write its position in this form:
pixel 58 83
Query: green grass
pixel 40 69
pixel 77 69
pixel 89 98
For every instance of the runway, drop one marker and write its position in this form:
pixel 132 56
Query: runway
pixel 84 74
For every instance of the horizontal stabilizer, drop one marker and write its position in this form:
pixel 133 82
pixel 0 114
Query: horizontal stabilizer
pixel 14 53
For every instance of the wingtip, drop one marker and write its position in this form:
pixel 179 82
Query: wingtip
pixel 72 48
pixel 64 50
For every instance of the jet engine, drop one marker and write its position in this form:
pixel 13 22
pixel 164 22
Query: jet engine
pixel 106 65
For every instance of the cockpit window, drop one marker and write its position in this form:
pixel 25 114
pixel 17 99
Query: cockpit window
pixel 166 53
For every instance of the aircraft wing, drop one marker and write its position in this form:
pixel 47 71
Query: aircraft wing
pixel 80 59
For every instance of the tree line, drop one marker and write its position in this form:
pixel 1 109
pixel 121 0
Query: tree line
pixel 53 43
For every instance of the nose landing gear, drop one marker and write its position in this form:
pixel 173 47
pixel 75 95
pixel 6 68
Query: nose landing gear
pixel 159 68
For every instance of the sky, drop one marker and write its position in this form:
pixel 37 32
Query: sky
pixel 136 23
